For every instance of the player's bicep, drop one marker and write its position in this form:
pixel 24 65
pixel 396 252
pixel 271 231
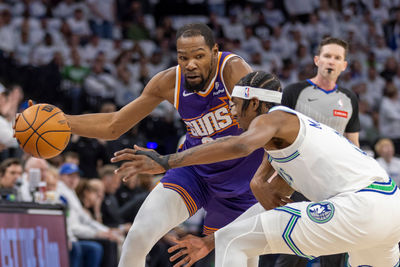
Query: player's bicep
pixel 261 130
pixel 153 94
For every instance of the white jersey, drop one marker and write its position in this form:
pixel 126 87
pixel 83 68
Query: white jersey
pixel 305 167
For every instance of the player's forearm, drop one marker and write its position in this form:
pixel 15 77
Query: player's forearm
pixel 221 149
pixel 96 125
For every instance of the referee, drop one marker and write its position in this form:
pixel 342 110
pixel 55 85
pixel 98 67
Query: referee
pixel 323 100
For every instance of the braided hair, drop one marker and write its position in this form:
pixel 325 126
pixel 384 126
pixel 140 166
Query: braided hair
pixel 262 80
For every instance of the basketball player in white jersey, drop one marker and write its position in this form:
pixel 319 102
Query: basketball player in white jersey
pixel 354 207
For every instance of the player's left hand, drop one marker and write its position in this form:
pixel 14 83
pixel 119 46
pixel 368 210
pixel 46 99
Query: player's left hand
pixel 191 249
pixel 135 164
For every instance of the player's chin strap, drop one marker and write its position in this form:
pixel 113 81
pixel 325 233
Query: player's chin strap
pixel 162 160
pixel 265 95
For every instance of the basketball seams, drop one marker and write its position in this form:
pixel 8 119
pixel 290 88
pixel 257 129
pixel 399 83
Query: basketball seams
pixel 37 130
pixel 30 125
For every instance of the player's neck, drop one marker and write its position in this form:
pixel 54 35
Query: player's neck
pixel 324 83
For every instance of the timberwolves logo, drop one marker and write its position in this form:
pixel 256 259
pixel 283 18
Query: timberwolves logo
pixel 321 212
pixel 246 92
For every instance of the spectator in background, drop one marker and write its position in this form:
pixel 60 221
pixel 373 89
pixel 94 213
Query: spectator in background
pixel 100 84
pixel 389 115
pixel 385 150
pixel 103 16
pixel 6 33
pixel 73 77
pixel 110 208
pixel 9 102
pixel 44 52
pixel 10 172
pixel 79 25
pixel 90 198
pixel 26 187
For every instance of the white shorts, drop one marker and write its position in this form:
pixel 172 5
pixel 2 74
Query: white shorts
pixel 366 224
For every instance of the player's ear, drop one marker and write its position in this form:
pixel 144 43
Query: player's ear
pixel 254 103
pixel 345 65
pixel 316 60
pixel 215 50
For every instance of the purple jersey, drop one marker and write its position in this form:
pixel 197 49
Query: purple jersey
pixel 207 116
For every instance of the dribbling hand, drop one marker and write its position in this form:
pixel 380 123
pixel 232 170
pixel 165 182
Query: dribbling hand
pixel 135 164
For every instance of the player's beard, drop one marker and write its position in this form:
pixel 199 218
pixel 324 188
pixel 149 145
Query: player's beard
pixel 196 87
pixel 199 86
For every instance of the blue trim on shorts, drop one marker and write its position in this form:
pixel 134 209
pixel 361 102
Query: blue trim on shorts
pixel 286 235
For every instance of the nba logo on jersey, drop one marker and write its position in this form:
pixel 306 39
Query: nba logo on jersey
pixel 321 212
pixel 247 92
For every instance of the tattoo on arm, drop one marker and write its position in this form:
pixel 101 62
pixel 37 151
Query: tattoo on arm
pixel 177 159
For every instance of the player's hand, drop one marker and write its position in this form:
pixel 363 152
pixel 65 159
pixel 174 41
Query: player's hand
pixel 135 164
pixel 267 196
pixel 30 103
pixel 191 249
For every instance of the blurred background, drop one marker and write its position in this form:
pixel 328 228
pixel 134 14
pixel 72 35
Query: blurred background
pixel 97 56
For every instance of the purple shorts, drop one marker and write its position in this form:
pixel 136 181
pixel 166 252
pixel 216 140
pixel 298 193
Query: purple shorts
pixel 197 193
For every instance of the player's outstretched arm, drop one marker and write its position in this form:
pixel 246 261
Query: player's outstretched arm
pixel 112 125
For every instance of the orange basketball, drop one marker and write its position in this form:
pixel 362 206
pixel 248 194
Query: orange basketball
pixel 42 131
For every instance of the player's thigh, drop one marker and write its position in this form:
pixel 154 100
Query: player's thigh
pixel 380 256
pixel 189 186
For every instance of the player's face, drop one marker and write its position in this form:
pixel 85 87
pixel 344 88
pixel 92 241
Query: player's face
pixel 242 117
pixel 197 61
pixel 331 61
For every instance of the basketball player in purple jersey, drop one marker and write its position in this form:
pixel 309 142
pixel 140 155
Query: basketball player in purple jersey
pixel 199 87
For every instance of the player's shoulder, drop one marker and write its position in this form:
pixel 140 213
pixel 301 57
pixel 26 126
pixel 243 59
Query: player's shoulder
pixel 162 84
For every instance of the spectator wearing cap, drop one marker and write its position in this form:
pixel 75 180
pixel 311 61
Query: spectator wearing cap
pixel 83 226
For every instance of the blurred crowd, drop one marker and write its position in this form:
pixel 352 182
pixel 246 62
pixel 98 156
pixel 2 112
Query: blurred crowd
pixel 97 56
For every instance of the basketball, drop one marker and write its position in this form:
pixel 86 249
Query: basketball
pixel 42 131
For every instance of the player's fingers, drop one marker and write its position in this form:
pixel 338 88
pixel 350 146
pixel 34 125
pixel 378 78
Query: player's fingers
pixel 178 254
pixel 124 151
pixel 287 200
pixel 30 103
pixel 127 156
pixel 176 247
pixel 183 261
pixel 136 147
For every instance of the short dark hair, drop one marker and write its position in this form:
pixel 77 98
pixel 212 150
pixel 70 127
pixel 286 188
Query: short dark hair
pixel 197 29
pixel 7 163
pixel 263 80
pixel 333 40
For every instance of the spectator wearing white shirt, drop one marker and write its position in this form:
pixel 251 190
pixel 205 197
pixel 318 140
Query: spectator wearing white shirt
pixel 389 115
pixel 127 88
pixel 103 16
pixel 250 44
pixel 273 16
pixel 78 24
pixel 6 33
pixel 375 85
pixel 99 85
pixel 64 9
pixel 385 150
pixel 44 52
pixel 233 29
pixel 382 53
